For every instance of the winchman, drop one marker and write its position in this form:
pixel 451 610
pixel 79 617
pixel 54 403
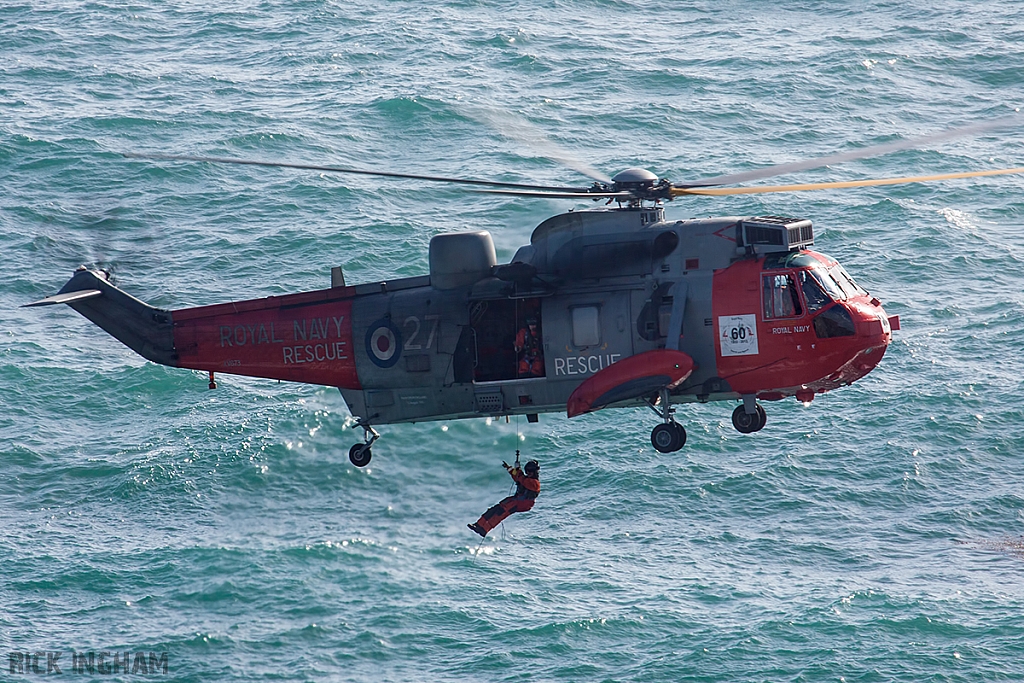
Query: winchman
pixel 527 488
pixel 531 360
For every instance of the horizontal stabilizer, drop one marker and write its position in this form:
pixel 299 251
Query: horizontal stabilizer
pixel 66 297
pixel 640 375
pixel 146 330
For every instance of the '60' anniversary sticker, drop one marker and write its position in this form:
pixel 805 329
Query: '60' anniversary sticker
pixel 738 334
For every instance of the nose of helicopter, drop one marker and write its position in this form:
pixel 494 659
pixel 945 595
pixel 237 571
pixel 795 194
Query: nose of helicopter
pixel 873 331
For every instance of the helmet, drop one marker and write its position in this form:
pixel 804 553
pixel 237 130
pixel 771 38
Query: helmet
pixel 532 468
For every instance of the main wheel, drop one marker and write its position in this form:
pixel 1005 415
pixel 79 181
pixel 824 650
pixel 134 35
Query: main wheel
pixel 682 434
pixel 668 437
pixel 746 423
pixel 360 455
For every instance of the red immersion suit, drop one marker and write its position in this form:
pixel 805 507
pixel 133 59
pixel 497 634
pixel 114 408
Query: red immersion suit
pixel 531 362
pixel 527 489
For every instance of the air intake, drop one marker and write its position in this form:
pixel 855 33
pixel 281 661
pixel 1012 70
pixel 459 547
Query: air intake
pixel 770 234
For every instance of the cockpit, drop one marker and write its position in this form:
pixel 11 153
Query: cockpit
pixel 812 284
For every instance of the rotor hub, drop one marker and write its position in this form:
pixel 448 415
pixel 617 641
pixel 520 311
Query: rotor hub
pixel 641 185
pixel 634 178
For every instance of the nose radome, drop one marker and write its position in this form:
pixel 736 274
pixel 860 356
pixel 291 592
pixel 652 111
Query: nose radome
pixel 870 320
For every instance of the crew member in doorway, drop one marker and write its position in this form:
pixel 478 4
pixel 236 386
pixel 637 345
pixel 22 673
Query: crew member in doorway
pixel 531 357
pixel 527 487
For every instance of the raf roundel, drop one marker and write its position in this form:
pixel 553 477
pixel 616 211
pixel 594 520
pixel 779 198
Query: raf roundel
pixel 383 343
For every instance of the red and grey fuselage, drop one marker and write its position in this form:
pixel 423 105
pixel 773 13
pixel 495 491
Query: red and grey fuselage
pixel 625 305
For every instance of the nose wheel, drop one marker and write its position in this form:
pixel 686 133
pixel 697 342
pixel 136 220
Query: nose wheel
pixel 748 423
pixel 669 436
pixel 359 455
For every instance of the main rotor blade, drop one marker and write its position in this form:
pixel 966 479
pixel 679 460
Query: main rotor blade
pixel 525 133
pixel 555 194
pixel 721 191
pixel 345 169
pixel 875 150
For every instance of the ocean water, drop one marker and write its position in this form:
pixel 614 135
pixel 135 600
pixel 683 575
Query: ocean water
pixel 874 535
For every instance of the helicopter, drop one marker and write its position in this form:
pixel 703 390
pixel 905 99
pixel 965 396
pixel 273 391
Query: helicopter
pixel 606 307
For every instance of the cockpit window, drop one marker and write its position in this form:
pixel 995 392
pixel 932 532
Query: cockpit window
pixel 780 297
pixel 847 283
pixel 814 295
pixel 822 277
pixel 790 259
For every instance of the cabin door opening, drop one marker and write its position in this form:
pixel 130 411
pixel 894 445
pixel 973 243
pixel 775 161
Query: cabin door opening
pixel 509 339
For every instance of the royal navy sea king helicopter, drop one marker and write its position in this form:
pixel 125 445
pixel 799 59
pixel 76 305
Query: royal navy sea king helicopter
pixel 608 307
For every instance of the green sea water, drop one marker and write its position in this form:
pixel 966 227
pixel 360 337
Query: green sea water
pixel 874 535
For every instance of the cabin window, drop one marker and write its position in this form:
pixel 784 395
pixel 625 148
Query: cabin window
pixel 780 297
pixel 586 326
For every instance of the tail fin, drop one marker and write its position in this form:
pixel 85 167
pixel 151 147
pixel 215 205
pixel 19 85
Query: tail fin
pixel 146 330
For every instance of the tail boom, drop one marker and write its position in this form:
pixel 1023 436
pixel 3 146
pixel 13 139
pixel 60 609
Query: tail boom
pixel 146 330
pixel 305 337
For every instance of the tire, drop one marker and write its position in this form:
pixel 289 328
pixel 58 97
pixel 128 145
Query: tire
pixel 748 424
pixel 667 437
pixel 360 455
pixel 682 434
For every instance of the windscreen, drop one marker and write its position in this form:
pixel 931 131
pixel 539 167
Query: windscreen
pixel 845 281
pixel 814 295
pixel 827 283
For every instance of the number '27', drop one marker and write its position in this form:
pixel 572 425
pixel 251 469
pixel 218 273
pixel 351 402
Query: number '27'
pixel 413 323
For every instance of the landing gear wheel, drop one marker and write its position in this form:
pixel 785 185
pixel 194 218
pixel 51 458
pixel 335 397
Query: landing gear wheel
pixel 763 418
pixel 668 437
pixel 682 434
pixel 360 454
pixel 748 424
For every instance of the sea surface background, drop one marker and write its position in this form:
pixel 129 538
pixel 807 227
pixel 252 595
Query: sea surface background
pixel 874 535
